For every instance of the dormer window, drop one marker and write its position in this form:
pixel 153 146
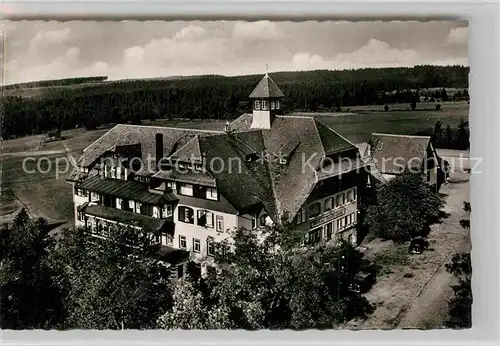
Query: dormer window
pixel 257 104
pixel 264 105
pixel 212 194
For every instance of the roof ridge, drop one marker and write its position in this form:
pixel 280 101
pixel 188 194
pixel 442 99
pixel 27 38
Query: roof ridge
pixel 98 139
pixel 319 137
pixel 396 135
pixel 338 134
pixel 295 116
pixel 196 137
pixel 171 128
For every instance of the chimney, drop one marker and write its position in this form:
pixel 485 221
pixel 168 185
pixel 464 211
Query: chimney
pixel 159 148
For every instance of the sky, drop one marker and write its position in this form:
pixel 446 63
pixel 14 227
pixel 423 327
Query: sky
pixel 38 50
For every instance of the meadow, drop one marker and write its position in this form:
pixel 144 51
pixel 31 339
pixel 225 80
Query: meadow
pixel 48 196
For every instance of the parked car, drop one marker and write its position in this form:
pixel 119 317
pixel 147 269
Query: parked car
pixel 418 245
pixel 362 282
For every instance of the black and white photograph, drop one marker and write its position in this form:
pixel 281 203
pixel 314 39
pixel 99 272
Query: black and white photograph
pixel 226 175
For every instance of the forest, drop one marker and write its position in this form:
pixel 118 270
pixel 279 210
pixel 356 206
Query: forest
pixel 91 101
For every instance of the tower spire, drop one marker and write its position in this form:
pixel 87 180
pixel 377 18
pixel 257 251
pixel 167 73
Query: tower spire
pixel 267 75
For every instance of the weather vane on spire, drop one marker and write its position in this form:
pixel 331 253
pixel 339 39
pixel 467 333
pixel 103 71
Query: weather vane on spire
pixel 266 70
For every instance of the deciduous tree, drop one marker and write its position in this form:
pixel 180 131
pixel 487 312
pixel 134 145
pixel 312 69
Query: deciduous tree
pixel 111 283
pixel 406 207
pixel 29 296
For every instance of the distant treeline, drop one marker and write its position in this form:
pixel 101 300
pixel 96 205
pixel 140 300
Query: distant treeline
pixel 56 82
pixel 217 97
pixel 446 137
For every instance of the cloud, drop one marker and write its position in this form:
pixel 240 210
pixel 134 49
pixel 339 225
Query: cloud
pixel 262 30
pixel 458 35
pixel 52 36
pixel 190 32
pixel 38 50
pixel 375 53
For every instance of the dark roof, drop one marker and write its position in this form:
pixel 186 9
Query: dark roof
pixel 339 167
pixel 332 141
pixel 190 177
pixel 172 255
pixel 190 151
pixel 266 89
pixel 242 183
pixel 127 217
pixel 123 134
pixel 300 136
pixel 222 205
pixel 128 189
pixel 389 150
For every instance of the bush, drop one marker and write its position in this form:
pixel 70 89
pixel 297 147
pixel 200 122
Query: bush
pixel 438 107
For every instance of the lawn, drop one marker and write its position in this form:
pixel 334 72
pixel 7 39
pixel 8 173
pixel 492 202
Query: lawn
pixel 41 193
pixel 357 127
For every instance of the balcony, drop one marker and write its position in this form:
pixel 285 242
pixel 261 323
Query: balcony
pixel 126 189
pixel 128 218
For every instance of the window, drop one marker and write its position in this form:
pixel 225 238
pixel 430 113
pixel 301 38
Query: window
pixel 301 216
pixel 315 235
pixel 340 200
pixel 277 104
pixel 328 231
pixel 340 224
pixel 113 172
pixel 272 104
pixel 156 212
pixel 351 195
pixel 264 105
pixel 254 221
pixel 220 223
pixel 167 210
pixel 131 205
pixel 205 218
pixel 80 216
pixel 180 271
pixel 257 104
pixel 210 246
pixel 182 241
pixel 349 220
pixel 196 245
pixel 156 239
pixel 186 215
pixel 328 204
pixel 138 206
pixel 186 189
pixel 167 239
pixel 314 210
pixel 197 167
pixel 171 185
pixel 212 193
pixel 94 196
pixel 262 219
pixel 282 160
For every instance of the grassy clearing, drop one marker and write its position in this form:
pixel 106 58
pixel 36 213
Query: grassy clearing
pixel 41 193
pixel 358 127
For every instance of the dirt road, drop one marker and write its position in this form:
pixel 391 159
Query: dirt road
pixel 421 299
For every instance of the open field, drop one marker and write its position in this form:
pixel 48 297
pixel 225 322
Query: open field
pixel 358 127
pixel 41 193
